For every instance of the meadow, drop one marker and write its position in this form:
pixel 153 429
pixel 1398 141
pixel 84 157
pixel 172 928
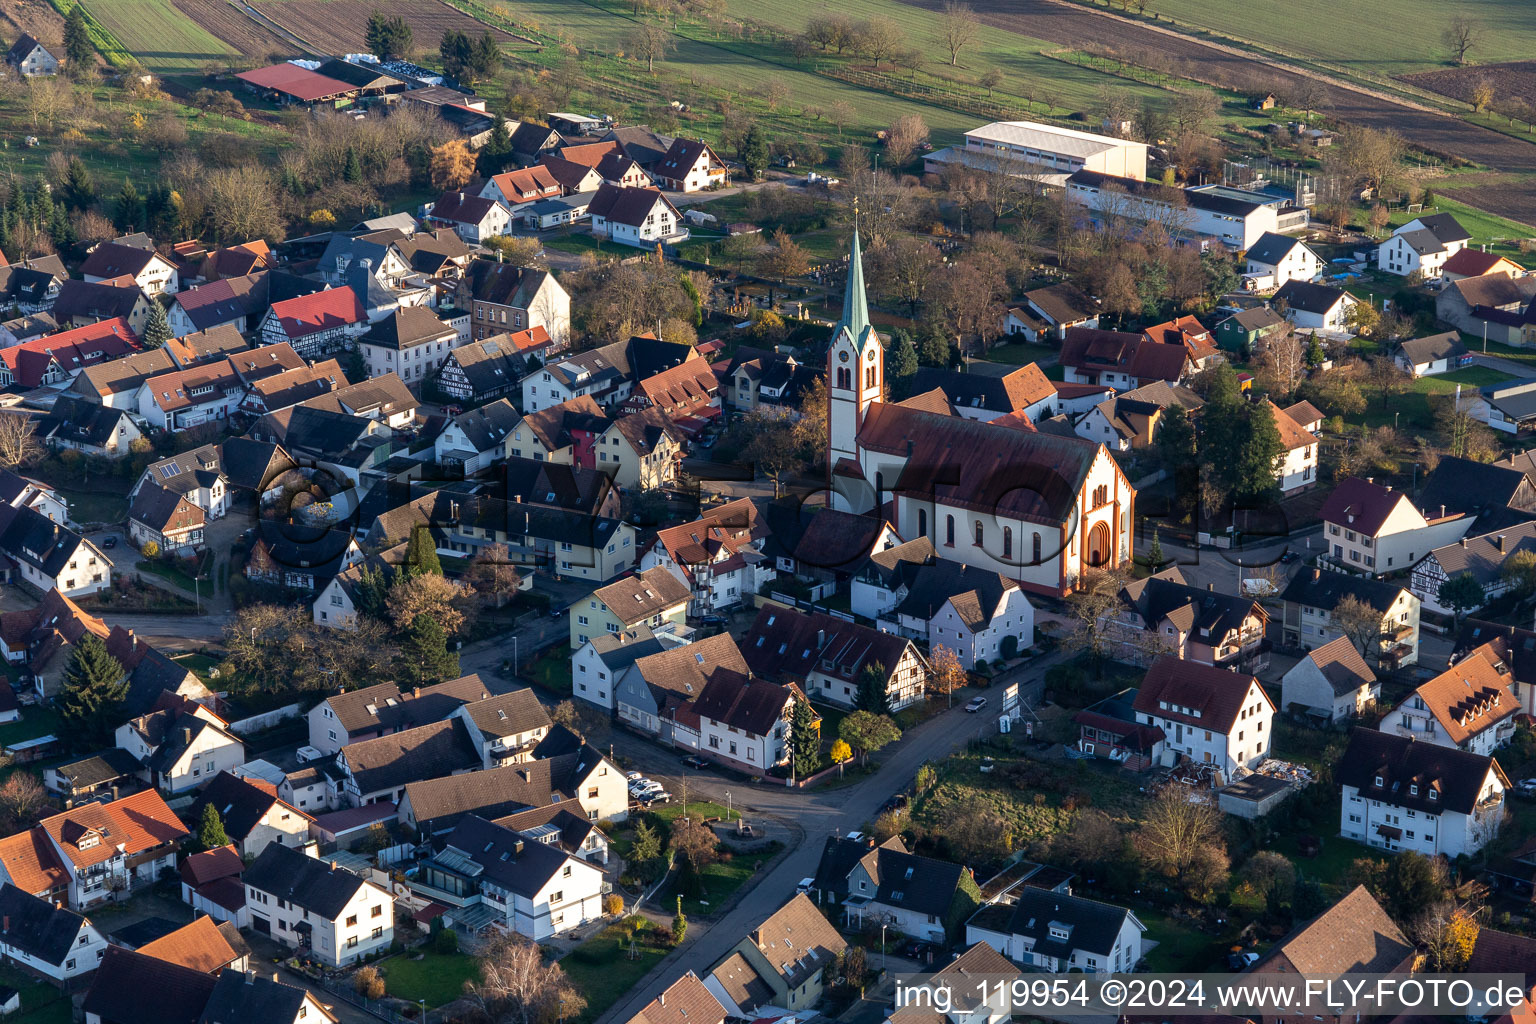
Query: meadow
pixel 159 35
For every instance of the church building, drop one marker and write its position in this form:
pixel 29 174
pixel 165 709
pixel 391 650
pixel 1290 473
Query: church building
pixel 1039 508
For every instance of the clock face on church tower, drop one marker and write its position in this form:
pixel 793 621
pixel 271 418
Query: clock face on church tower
pixel 870 355
pixel 842 357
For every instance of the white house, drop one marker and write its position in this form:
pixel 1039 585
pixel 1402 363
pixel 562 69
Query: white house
pixel 887 885
pixel 635 216
pixel 1311 596
pixel 652 598
pixel 1470 706
pixel 50 556
pixel 718 557
pixel 31 58
pixel 210 884
pixel 1404 794
pixel 1332 682
pixel 473 218
pixel 1423 244
pixel 1370 528
pixel 478 439
pixel 411 342
pixel 323 911
pixel 492 877
pixel 1436 354
pixel 181 744
pixel 599 664
pixel 253 814
pixel 46 939
pixel 1058 932
pixel 826 656
pixel 153 273
pixel 1296 470
pixel 744 722
pixel 505 727
pixel 1316 307
pixel 1208 714
pixel 1275 260
pixel 690 166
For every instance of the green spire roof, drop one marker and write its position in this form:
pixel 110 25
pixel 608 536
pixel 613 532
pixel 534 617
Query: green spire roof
pixel 855 303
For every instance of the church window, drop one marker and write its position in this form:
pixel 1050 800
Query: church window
pixel 1007 541
pixel 1036 560
pixel 949 530
pixel 869 377
pixel 844 378
pixel 922 522
pixel 978 533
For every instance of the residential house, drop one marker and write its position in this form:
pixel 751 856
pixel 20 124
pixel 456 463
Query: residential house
pixel 90 853
pixel 1354 936
pixel 300 557
pixel 33 285
pixel 114 262
pixel 31 58
pixel 202 945
pixel 1296 470
pixel 473 218
pixel 613 165
pixel 94 775
pixel 1131 419
pixel 1469 262
pixel 576 179
pixel 987 391
pixel 642 217
pixel 252 814
pixel 823 545
pixel 1163 615
pixel 599 664
pixel 642 145
pixel 1483 557
pixel 1209 715
pixel 83 303
pixel 1110 729
pixel 181 744
pixel 1311 596
pixel 687 394
pixel 744 723
pixel 686 1001
pixel 292 387
pixel 1125 361
pixel 826 657
pixel 981 616
pixel 1315 307
pixel 1247 331
pixel 1332 682
pixel 321 910
pixel 165 519
pixel 25 327
pixel 781 961
pixel 505 727
pixel 690 166
pixel 59 358
pixel 1370 528
pixel 1059 932
pixel 317 324
pixel 383 709
pixel 1400 793
pixel 1422 246
pixel 44 938
pixel 719 557
pixel 378 769
pixel 493 879
pixel 479 439
pixel 573 833
pixel 197 475
pixel 1492 305
pixel 1436 354
pixel 83 426
pixel 513 189
pixel 607 374
pixel 530 140
pixel 653 598
pixel 756 379
pixel 50 556
pixel 236 260
pixel 1192 335
pixel 383 399
pixel 440 255
pixel 1510 645
pixel 1509 407
pixel 491 367
pixel 506 298
pixel 917 896
pixel 116 384
pixel 969 1004
pixel 378 252
pixel 655 693
pixel 1048 312
pixel 1470 706
pixel 1276 259
pixel 19 491
pixel 411 342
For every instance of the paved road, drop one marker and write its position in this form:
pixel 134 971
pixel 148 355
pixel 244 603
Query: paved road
pixel 819 813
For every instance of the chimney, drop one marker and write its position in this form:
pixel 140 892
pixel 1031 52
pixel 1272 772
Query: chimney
pixel 5 925
pixel 1442 511
pixel 186 734
pixel 1211 587
pixel 1370 479
pixel 1463 542
pixel 662 999
pixel 1317 574
pixel 1500 543
pixel 909 447
pixel 821 638
pixel 250 977
pixel 1389 488
pixel 114 792
pixel 415 691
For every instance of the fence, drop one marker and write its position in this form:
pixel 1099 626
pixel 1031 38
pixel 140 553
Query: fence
pixel 265 720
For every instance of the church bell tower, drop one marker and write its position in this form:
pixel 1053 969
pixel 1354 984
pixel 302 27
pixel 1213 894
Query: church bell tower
pixel 855 367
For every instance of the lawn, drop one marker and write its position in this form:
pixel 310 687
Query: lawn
pixel 95 506
pixel 720 881
pixel 1383 37
pixel 1182 948
pixel 603 968
pixel 703 808
pixel 161 37
pixel 579 243
pixel 35 721
pixel 437 978
pixel 1499 234
pixel 201 664
pixel 551 670
pixel 1331 865
pixel 1413 409
pixel 1019 353
pixel 172 574
pixel 41 1003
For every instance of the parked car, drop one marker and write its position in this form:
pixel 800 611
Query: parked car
pixel 633 776
pixel 1237 961
pixel 110 542
pixel 920 951
pixel 694 761
pixel 895 803
pixel 805 885
pixel 987 764
pixel 976 704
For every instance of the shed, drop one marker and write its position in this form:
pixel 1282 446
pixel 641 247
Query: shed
pixel 1253 796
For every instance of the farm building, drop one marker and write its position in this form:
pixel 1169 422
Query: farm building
pixel 291 84
pixel 1043 150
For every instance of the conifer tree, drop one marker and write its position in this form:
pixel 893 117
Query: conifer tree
pixel 424 650
pixel 211 832
pixel 157 329
pixel 95 686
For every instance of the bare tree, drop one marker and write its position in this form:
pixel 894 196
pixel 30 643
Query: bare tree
pixel 1358 621
pixel 23 801
pixel 1175 830
pixel 649 42
pixel 1461 34
pixel 903 138
pixel 516 986
pixel 18 440
pixel 494 575
pixel 1092 604
pixel 902 267
pixel 879 39
pixel 957 29
pixel 1283 362
pixel 841 114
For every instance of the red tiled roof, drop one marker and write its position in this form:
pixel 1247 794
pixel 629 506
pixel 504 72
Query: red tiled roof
pixel 1218 695
pixel 319 311
pixel 73 350
pixel 1472 263
pixel 135 823
pixel 300 83
pixel 1361 505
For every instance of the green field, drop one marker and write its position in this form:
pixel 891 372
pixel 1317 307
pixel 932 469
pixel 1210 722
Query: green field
pixel 1387 37
pixel 161 37
pixel 1497 233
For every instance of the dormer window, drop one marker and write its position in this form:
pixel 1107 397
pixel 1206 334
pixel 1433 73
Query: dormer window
pixel 1380 781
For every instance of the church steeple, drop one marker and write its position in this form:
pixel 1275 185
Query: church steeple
pixel 855 303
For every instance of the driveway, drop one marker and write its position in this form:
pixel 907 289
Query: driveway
pixel 819 814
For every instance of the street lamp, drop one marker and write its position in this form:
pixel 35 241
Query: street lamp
pixel 883 953
pixel 514 654
pixel 728 814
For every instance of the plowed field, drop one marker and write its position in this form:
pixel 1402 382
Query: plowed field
pixel 227 23
pixel 336 26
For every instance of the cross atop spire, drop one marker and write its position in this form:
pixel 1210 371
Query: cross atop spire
pixel 855 303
